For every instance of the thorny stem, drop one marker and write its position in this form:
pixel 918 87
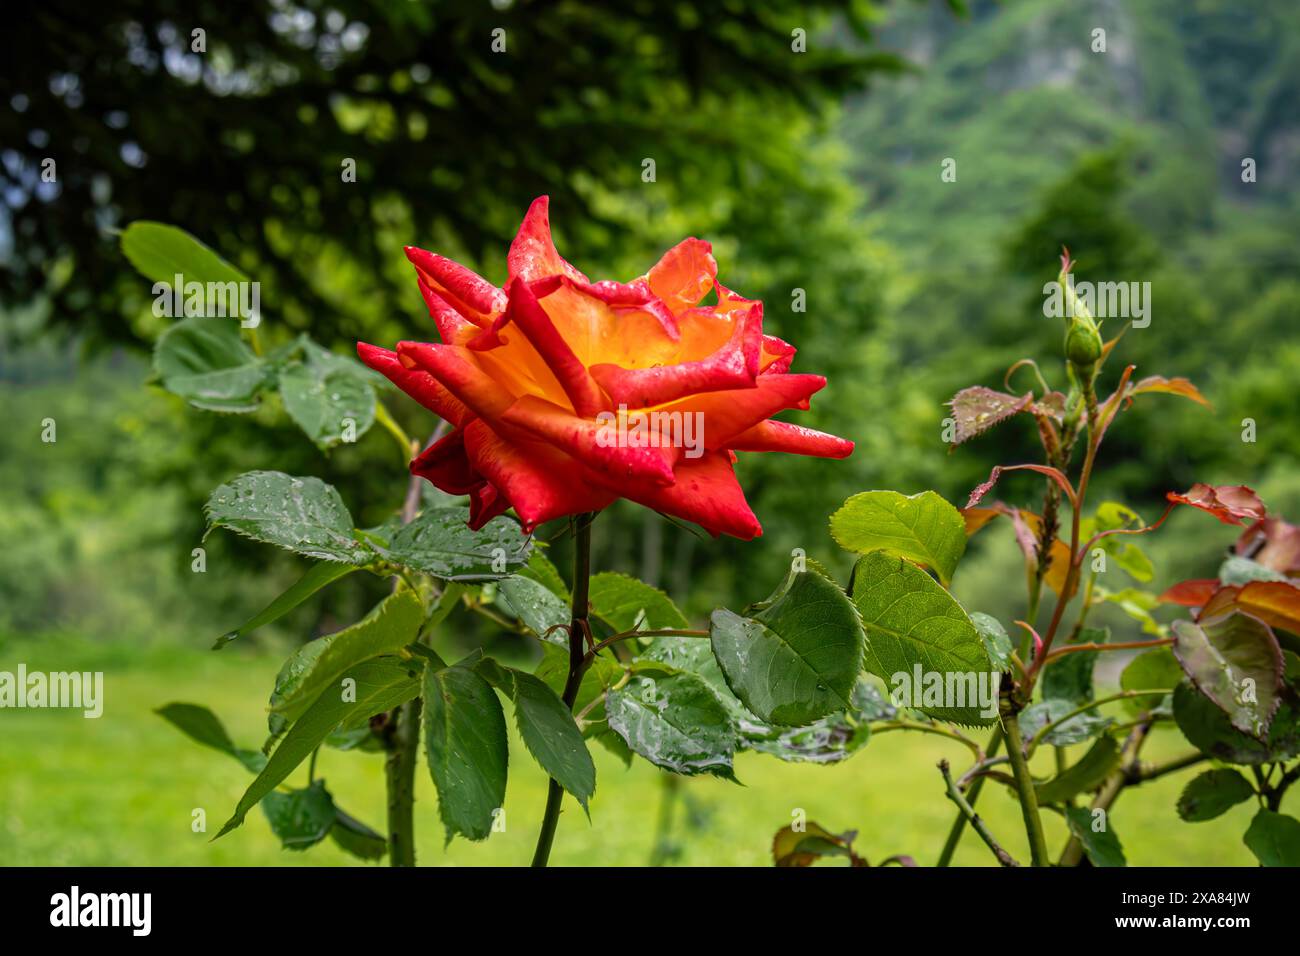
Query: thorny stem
pixel 968 813
pixel 578 662
pixel 402 740
pixel 1024 786
pixel 959 824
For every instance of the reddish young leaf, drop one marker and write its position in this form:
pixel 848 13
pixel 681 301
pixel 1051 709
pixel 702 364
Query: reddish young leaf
pixel 982 489
pixel 1173 386
pixel 1229 503
pixel 1221 602
pixel 977 409
pixel 1194 593
pixel 1276 603
pixel 1272 543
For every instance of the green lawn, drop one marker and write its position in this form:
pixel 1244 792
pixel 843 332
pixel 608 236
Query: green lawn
pixel 121 790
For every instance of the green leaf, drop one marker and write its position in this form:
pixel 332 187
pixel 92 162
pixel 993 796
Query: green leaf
pixel 1102 846
pixel 300 818
pixel 357 838
pixel 202 725
pixel 537 607
pixel 1236 662
pixel 626 604
pixel 541 570
pixel 1137 605
pixel 465 745
pixel 1070 677
pixel 911 621
pixel 1206 728
pixel 390 626
pixel 675 721
pixel 1075 730
pixel 1088 774
pixel 997 643
pixel 829 740
pixel 1237 570
pixel 303 515
pixel 923 528
pixel 379 685
pixel 439 542
pixel 317 577
pixel 325 392
pixel 161 252
pixel 205 362
pixel 1213 793
pixel 1133 559
pixel 553 670
pixel 547 727
pixel 797 656
pixel 1151 670
pixel 1274 839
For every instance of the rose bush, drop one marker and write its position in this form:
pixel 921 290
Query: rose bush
pixel 565 394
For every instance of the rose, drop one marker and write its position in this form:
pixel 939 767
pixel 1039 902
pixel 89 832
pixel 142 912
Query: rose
pixel 566 394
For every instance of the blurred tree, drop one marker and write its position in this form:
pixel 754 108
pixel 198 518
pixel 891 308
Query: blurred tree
pixel 241 122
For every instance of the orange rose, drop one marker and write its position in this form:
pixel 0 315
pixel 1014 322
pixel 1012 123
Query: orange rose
pixel 565 394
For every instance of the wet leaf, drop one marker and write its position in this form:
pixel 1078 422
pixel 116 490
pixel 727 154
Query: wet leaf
pixel 466 748
pixel 390 626
pixel 626 604
pixel 317 577
pixel 1207 728
pixel 374 686
pixel 303 515
pixel 207 363
pixel 538 608
pixel 675 721
pixel 1235 661
pixel 331 397
pixel 997 643
pixel 547 728
pixel 300 818
pixel 977 409
pixel 439 542
pixel 796 657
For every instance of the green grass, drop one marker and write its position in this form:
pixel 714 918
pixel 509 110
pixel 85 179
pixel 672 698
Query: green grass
pixel 120 790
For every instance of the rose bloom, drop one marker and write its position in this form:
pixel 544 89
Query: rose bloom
pixel 552 386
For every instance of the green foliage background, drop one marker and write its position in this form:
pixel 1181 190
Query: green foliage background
pixel 817 172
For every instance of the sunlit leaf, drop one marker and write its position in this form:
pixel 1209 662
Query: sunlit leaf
pixel 923 528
